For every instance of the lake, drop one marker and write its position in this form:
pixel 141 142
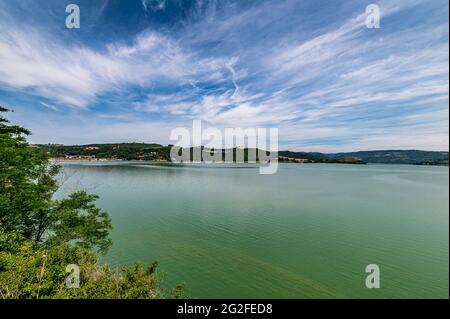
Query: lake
pixel 308 231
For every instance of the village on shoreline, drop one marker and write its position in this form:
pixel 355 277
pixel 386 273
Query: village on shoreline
pixel 159 153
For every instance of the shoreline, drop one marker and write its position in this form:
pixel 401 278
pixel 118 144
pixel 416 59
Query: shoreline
pixel 105 160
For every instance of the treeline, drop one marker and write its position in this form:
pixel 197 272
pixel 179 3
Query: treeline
pixel 144 151
pixel 157 152
pixel 124 151
pixel 316 157
pixel 415 157
pixel 40 236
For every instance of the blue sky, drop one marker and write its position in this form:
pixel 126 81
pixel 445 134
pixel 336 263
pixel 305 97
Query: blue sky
pixel 137 69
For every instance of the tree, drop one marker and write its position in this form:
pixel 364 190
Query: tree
pixel 40 236
pixel 27 186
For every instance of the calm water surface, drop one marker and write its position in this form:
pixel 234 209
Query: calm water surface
pixel 306 232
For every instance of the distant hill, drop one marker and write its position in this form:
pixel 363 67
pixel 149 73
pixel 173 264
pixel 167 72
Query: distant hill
pixel 316 157
pixel 397 157
pixel 313 156
pixel 124 151
pixel 145 151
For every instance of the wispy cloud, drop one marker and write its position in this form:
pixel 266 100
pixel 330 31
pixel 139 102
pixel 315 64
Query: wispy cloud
pixel 317 73
pixel 154 5
pixel 49 106
pixel 76 75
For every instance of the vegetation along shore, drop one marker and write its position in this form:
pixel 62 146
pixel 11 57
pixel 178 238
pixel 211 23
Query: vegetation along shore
pixel 158 152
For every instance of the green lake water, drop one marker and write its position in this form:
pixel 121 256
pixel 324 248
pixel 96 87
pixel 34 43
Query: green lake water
pixel 307 231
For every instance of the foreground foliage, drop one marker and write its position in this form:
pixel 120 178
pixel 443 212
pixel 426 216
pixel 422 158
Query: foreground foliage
pixel 30 273
pixel 41 236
